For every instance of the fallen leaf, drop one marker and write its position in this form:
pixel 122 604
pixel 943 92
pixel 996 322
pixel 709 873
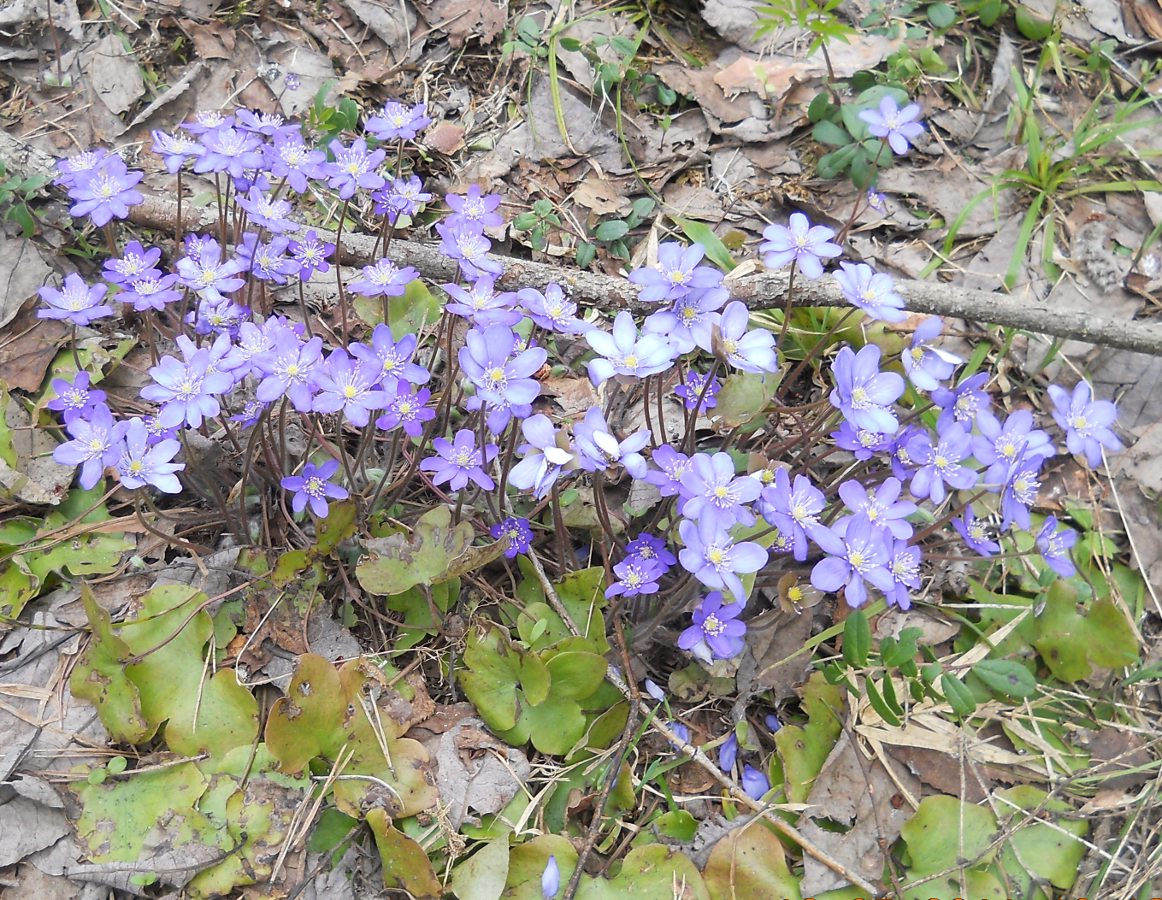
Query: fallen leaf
pixel 475 771
pixel 464 19
pixel 33 345
pixel 772 76
pixel 22 271
pixel 28 826
pixel 601 196
pixel 114 74
pixel 445 137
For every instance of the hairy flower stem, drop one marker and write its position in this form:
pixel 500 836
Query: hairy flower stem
pixel 177 241
pixel 692 414
pixel 339 273
pixel 790 304
pixel 560 532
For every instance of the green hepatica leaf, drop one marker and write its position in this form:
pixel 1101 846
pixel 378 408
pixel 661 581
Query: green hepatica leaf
pixel 482 875
pixel 1071 643
pixel 946 831
pixel 743 397
pixel 99 677
pixel 527 861
pixel 406 866
pixel 576 675
pixel 493 670
pixel 749 862
pixel 1039 852
pixel 308 721
pixel 397 562
pixel 650 872
pixel 804 749
pixel 227 717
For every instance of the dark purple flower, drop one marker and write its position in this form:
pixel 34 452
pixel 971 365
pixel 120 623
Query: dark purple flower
pixel 1086 421
pixel 873 292
pixel 716 633
pixel 552 309
pixel 470 249
pixel 925 364
pixel 517 532
pixel 625 353
pixel 635 577
pixel 392 360
pixel 482 305
pixel 1000 446
pixel 716 494
pixel 598 448
pixel 544 457
pixel 963 402
pixel 354 168
pixel 882 506
pixel 856 551
pixel 475 211
pixel 754 782
pixel 230 150
pixel 676 273
pixel 398 122
pixel 314 486
pixel 133 263
pixel 1055 545
pixel 384 279
pixel 249 415
pixel 95 446
pixel 650 548
pixel 292 366
pixel 793 509
pixel 502 378
pixel 310 253
pixel 975 532
pixel 673 467
pixel 143 463
pixel 106 193
pixel 459 461
pixel 344 384
pixel 899 126
pixel 904 567
pixel 75 398
pixel 728 753
pixel 800 242
pixel 409 410
pixel 862 392
pixel 695 392
pixel 292 82
pixel 941 463
pixel 716 559
pixel 75 302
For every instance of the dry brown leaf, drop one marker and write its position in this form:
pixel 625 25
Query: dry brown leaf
pixel 601 196
pixel 464 19
pixel 30 348
pixel 772 76
pixel 476 772
pixel 445 137
pixel 22 271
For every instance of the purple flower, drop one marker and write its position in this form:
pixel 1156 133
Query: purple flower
pixel 862 392
pixel 384 279
pixel 650 548
pixel 1086 421
pixel 289 157
pixel 460 461
pixel 74 399
pixel 598 449
pixel 268 260
pixel 398 122
pixel 550 879
pixel 400 197
pixel 551 309
pixel 475 211
pixel 902 463
pixel 728 753
pixel 655 691
pixel 292 366
pixel 941 463
pixel 544 457
pixel 267 211
pixel 904 567
pixel 206 120
pixel 314 486
pixel 716 495
pixel 78 166
pixel 292 82
pixel 716 633
pixel 135 262
pixel 518 533
pixel 862 443
pixel 794 510
pixel 105 193
pixel 391 361
pixel 856 551
pixel 682 733
pixel 95 446
pixel 882 506
pixel 754 782
pixel 692 313
pixel 634 577
pixel 354 168
pixel 899 126
pixel 470 249
pixel 202 270
pixel 482 305
pixel 714 558
pixel 625 353
pixel 1020 492
pixel 503 379
pixel 310 254
pixel 266 124
pixel 873 292
pixel 999 446
pixel 249 415
pixel 750 351
pixel 672 470
pixel 346 385
pixel 221 316
pixel 925 364
pixel 963 402
pixel 408 410
pixel 143 463
pixel 694 391
pixel 75 302
pixel 229 150
pixel 187 388
pixel 151 292
pixel 800 242
pixel 1055 545
pixel 676 273
pixel 975 532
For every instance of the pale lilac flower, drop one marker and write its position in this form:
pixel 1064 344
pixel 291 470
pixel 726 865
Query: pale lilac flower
pixel 267 260
pixel 95 446
pixel 106 193
pixel 400 197
pixel 75 399
pixel 862 392
pixel 314 486
pixel 474 211
pixel 482 304
pixel 550 879
pixel 975 532
pixel 384 279
pixel 346 385
pixel 793 508
pixel 623 352
pixel 713 557
pixel 544 457
pixel 899 126
pixel 754 782
pixel 941 462
pixel 292 366
pixel 856 551
pixel 470 249
pixel 904 567
pixel 133 263
pixel 1019 492
pixel 267 211
pixel 186 388
pixel 692 313
pixel 1000 446
pixel 75 302
pixel 716 494
pixel 925 364
pixel 716 633
pixel 502 377
pixel 229 150
pixel 151 292
pixel 598 448
pixel 310 253
pixel 650 548
pixel 289 157
pixel 749 351
pixel 635 577
pixel 80 165
pixel 354 168
pixel 398 122
pixel 695 392
pixel 672 469
pixel 882 505
pixel 1055 545
pixel 551 309
pixel 205 272
pixel 143 463
pixel 458 461
pixel 862 443
pixel 873 292
pixel 392 360
pixel 676 273
pixel 800 242
pixel 963 402
pixel 409 410
pixel 1086 422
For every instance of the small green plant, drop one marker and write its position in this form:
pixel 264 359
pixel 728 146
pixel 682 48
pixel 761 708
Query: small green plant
pixel 819 17
pixel 16 193
pixel 329 121
pixel 538 222
pixel 613 232
pixel 858 154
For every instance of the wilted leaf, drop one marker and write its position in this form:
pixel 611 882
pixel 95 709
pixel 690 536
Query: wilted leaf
pixel 406 866
pixel 397 563
pixel 1071 643
pixel 750 862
